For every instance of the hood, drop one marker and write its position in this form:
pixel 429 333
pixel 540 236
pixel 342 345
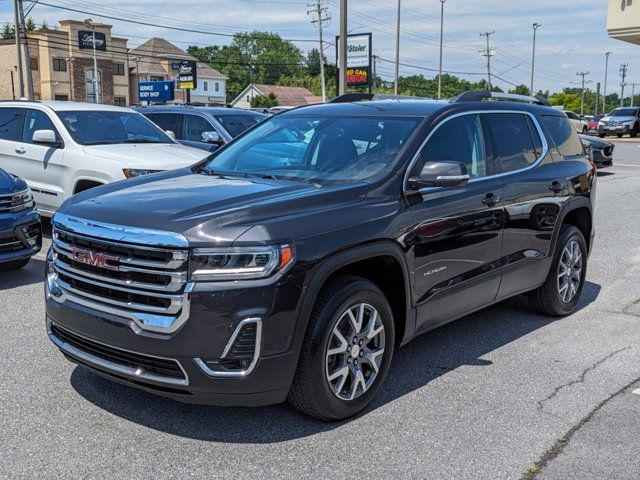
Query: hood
pixel 594 142
pixel 206 209
pixel 11 184
pixel 151 156
pixel 609 118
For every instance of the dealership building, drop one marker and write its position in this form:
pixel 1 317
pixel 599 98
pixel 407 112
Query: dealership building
pixel 623 20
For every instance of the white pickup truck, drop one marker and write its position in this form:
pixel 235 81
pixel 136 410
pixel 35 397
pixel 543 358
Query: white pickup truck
pixel 62 148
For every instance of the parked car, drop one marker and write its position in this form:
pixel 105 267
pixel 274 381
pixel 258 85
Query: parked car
pixel 579 124
pixel 206 128
pixel 592 122
pixel 62 148
pixel 236 283
pixel 621 121
pixel 600 152
pixel 20 232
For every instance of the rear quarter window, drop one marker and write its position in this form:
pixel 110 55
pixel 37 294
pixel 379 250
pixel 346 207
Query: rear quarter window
pixel 563 135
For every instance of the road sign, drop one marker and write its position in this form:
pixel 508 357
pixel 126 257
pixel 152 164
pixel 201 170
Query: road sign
pixel 155 91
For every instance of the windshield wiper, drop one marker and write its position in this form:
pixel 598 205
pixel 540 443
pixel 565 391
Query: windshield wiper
pixel 265 176
pixel 140 140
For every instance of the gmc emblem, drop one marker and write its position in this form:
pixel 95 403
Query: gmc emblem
pixel 96 259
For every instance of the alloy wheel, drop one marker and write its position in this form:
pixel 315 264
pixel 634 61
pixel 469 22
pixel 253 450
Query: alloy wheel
pixel 355 351
pixel 569 271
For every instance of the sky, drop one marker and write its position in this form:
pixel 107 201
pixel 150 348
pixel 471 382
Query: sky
pixel 572 37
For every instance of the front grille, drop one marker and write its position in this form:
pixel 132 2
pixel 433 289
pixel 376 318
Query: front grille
pixel 135 362
pixel 25 238
pixel 148 284
pixel 6 203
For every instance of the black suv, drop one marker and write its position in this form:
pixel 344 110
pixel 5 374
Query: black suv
pixel 293 261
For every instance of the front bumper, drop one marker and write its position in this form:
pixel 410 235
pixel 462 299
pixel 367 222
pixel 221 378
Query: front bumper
pixel 20 236
pixel 175 364
pixel 614 129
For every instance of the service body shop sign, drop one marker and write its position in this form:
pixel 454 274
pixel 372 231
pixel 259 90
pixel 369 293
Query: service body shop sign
pixel 358 58
pixel 155 91
pixel 187 75
pixel 85 40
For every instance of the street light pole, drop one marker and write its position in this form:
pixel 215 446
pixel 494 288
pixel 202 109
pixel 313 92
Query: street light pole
pixel 342 83
pixel 96 82
pixel 397 67
pixel 604 90
pixel 533 55
pixel 442 2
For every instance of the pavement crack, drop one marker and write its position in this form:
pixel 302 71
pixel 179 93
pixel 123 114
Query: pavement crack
pixel 561 443
pixel 580 379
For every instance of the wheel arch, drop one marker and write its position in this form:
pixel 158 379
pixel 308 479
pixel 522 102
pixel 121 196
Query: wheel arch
pixel 579 214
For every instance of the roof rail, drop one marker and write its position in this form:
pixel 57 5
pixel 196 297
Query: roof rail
pixel 481 95
pixel 360 97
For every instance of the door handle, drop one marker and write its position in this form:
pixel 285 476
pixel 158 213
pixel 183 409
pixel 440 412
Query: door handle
pixel 21 150
pixel 556 187
pixel 491 199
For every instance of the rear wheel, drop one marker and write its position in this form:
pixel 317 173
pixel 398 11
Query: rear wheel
pixel 619 135
pixel 14 265
pixel 601 135
pixel 561 291
pixel 346 354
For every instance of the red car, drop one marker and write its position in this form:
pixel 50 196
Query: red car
pixel 592 122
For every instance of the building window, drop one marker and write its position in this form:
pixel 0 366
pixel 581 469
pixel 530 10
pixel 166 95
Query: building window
pixel 118 68
pixel 153 78
pixel 206 86
pixel 34 63
pixel 59 65
pixel 91 85
pixel 217 86
pixel 120 101
pixel 62 98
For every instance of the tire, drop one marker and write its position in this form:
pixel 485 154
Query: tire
pixel 548 299
pixel 585 130
pixel 311 391
pixel 601 135
pixel 634 131
pixel 14 265
pixel 619 135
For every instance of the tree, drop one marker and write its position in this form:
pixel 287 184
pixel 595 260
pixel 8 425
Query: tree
pixel 264 101
pixel 567 100
pixel 30 25
pixel 8 31
pixel 312 62
pixel 520 90
pixel 44 25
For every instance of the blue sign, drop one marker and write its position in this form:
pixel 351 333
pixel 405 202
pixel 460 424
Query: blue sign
pixel 155 91
pixel 175 66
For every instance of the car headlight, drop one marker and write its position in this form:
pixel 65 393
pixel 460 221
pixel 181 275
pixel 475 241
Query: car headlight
pixel 21 201
pixel 132 172
pixel 238 263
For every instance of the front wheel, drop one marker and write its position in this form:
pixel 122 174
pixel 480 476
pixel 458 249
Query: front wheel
pixel 634 131
pixel 561 291
pixel 346 353
pixel 585 130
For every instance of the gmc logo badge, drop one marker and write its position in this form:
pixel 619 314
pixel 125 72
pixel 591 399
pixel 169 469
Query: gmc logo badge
pixel 96 259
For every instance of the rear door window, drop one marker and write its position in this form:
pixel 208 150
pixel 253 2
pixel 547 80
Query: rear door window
pixel 564 136
pixel 11 123
pixel 167 121
pixel 513 140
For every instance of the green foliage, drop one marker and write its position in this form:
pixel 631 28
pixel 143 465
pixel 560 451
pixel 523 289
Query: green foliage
pixel 264 101
pixel 45 25
pixel 8 31
pixel 30 25
pixel 520 90
pixel 570 101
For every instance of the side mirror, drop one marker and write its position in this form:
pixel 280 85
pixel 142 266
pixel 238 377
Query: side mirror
pixel 212 137
pixel 170 134
pixel 440 174
pixel 45 137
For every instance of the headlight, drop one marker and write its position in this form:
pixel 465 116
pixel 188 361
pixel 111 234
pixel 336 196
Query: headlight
pixel 22 201
pixel 241 263
pixel 132 172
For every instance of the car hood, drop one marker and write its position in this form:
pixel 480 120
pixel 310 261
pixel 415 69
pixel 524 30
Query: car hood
pixel 152 156
pixel 594 142
pixel 11 184
pixel 617 119
pixel 206 209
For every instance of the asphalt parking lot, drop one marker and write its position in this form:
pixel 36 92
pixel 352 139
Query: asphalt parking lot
pixel 503 393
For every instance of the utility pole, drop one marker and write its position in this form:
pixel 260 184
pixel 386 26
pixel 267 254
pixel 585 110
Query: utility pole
pixel 488 54
pixel 442 2
pixel 375 62
pixel 96 74
pixel 582 74
pixel 342 83
pixel 397 67
pixel 27 54
pixel 533 56
pixel 597 105
pixel 633 92
pixel 16 11
pixel 322 16
pixel 604 89
pixel 623 77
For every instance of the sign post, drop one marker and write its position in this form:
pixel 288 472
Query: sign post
pixel 187 77
pixel 358 60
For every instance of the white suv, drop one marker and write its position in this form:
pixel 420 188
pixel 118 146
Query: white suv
pixel 62 148
pixel 579 124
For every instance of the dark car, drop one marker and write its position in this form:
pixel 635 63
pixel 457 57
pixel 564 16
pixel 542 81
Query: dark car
pixel 242 283
pixel 600 151
pixel 206 128
pixel 20 232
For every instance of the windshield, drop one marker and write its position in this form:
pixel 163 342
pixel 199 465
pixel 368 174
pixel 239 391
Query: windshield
pixel 624 112
pixel 316 147
pixel 95 127
pixel 236 124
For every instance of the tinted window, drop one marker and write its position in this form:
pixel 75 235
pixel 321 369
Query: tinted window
pixel 36 120
pixel 512 140
pixel 624 112
pixel 460 140
pixel 564 136
pixel 194 126
pixel 10 123
pixel 236 124
pixel 167 121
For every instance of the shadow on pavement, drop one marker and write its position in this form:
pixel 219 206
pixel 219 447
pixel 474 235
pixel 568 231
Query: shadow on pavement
pixel 32 273
pixel 430 356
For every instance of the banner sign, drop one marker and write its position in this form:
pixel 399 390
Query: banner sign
pixel 155 91
pixel 85 40
pixel 187 74
pixel 358 59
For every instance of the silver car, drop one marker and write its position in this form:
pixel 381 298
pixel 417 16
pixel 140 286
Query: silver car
pixel 621 121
